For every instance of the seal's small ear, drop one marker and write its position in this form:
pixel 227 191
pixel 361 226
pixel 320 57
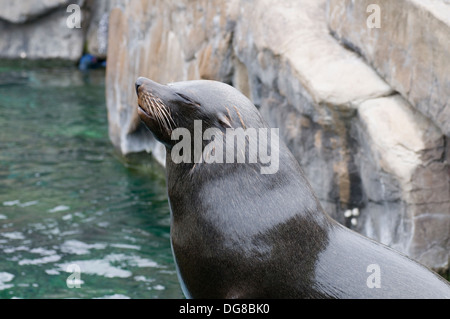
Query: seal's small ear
pixel 224 120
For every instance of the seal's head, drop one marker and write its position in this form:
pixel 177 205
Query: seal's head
pixel 163 108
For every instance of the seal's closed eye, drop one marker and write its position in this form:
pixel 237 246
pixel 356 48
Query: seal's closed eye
pixel 187 99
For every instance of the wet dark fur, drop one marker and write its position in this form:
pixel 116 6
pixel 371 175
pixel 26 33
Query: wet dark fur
pixel 239 234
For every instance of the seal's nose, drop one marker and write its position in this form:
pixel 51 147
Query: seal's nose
pixel 138 83
pixel 137 88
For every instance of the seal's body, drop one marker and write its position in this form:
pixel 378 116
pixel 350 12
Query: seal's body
pixel 237 233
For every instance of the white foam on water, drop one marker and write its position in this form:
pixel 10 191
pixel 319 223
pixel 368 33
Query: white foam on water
pixel 107 266
pixel 13 235
pixel 99 267
pixel 77 247
pixel 125 246
pixel 43 251
pixel 40 261
pixel 4 278
pixel 14 249
pixel 34 202
pixel 38 226
pixel 143 279
pixel 159 287
pixel 134 261
pixel 11 203
pixel 103 224
pixel 142 263
pixel 53 231
pixel 70 232
pixel 18 203
pixel 67 217
pixel 60 208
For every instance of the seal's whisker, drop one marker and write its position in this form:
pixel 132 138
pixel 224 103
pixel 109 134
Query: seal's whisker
pixel 165 111
pixel 161 114
pixel 159 111
pixel 145 99
pixel 229 114
pixel 151 107
pixel 166 117
pixel 240 117
pixel 193 168
pixel 169 115
pixel 147 102
pixel 155 111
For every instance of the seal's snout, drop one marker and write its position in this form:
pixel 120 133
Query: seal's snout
pixel 152 109
pixel 138 83
pixel 137 88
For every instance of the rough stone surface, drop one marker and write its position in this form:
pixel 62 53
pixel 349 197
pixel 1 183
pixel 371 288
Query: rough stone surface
pixel 403 166
pixel 42 32
pixel 361 145
pixel 97 34
pixel 26 10
pixel 38 29
pixel 410 50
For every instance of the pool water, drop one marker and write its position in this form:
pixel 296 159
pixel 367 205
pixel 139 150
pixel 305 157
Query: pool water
pixel 77 219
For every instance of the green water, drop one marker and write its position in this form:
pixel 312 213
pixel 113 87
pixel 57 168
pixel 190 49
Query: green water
pixel 67 198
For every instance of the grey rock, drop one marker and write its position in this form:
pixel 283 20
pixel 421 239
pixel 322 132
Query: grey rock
pixel 27 10
pixel 38 29
pixel 97 34
pixel 45 37
pixel 405 177
pixel 410 50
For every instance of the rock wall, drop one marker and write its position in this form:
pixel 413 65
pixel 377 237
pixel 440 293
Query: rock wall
pixel 366 145
pixel 38 29
pixel 35 29
pixel 410 49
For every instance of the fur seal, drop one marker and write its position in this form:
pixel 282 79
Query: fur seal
pixel 238 233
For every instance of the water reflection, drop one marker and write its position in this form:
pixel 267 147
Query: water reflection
pixel 67 198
